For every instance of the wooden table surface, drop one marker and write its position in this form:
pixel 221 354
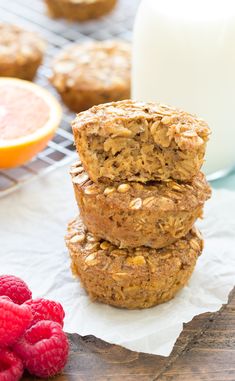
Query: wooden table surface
pixel 205 351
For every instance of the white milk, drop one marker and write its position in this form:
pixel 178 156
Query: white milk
pixel 184 55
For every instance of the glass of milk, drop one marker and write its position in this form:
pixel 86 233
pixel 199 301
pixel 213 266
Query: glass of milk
pixel 184 55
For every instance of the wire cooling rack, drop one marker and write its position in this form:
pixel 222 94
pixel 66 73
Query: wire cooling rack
pixel 31 14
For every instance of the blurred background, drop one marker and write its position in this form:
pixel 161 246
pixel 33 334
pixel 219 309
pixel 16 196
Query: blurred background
pixel 32 15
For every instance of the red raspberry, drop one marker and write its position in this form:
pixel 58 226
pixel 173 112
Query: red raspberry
pixel 43 309
pixel 15 288
pixel 11 366
pixel 43 348
pixel 14 320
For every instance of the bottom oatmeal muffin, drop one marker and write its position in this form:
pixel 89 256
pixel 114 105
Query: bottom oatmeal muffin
pixel 131 278
pixel 131 214
pixel 79 10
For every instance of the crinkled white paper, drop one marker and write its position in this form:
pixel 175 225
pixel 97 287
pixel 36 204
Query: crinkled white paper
pixel 32 227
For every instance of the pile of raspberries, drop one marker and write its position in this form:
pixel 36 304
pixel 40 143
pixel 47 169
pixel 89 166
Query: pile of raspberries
pixel 31 333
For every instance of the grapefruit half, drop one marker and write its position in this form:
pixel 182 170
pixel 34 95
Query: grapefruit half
pixel 29 117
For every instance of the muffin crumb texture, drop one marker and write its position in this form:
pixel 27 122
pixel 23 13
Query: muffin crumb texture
pixel 131 141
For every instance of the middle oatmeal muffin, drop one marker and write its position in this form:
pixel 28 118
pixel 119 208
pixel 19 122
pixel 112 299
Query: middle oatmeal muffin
pixel 155 214
pixel 92 73
pixel 132 141
pixel 131 278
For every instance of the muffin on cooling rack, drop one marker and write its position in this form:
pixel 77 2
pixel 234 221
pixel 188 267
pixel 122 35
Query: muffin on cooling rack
pixel 133 141
pixel 92 73
pixel 133 214
pixel 135 277
pixel 21 52
pixel 79 10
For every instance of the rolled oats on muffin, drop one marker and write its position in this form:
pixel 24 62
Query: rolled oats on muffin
pixel 21 52
pixel 79 10
pixel 135 277
pixel 132 214
pixel 92 73
pixel 137 141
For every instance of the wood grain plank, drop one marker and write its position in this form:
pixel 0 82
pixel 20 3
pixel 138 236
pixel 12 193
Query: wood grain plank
pixel 211 356
pixel 204 351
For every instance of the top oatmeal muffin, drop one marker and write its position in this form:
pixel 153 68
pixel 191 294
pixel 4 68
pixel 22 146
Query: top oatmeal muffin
pixel 21 52
pixel 133 141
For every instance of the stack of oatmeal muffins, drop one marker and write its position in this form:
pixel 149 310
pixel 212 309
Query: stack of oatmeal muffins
pixel 139 190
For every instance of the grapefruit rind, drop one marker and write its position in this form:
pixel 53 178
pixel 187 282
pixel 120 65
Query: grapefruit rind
pixel 15 152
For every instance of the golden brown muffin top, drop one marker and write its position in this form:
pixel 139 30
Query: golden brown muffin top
pixel 167 196
pixel 17 44
pixel 93 65
pixel 167 124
